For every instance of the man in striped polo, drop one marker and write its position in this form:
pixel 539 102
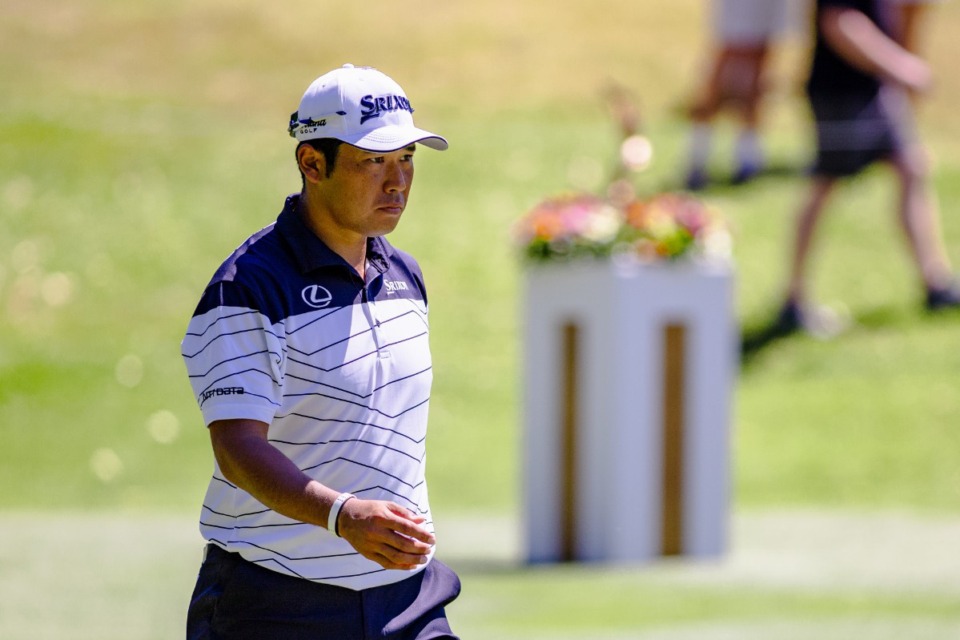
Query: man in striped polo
pixel 308 354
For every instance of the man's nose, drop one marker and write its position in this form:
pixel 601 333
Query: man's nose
pixel 396 178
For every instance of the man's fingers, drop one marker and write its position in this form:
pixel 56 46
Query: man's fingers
pixel 405 513
pixel 406 544
pixel 403 560
pixel 414 533
pixel 391 558
pixel 409 525
pixel 386 533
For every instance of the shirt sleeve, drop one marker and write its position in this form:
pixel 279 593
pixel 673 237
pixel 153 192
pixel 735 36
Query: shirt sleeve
pixel 234 356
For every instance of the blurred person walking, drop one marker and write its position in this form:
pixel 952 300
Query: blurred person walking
pixel 743 33
pixel 308 354
pixel 858 90
pixel 911 20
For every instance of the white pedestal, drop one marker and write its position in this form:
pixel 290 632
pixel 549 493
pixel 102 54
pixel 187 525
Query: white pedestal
pixel 629 371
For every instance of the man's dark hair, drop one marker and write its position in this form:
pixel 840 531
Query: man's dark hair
pixel 329 147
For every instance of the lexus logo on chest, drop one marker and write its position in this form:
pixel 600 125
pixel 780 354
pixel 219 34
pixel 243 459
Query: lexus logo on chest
pixel 316 296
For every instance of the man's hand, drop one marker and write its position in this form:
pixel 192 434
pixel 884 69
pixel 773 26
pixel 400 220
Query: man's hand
pixel 381 531
pixel 385 532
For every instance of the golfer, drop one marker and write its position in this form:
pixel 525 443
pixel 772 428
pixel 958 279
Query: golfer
pixel 308 355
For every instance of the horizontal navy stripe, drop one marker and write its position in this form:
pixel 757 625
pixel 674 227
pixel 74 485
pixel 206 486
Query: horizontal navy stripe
pixel 356 422
pixel 233 359
pixel 358 404
pixel 355 335
pixel 224 481
pixel 227 335
pixel 366 466
pixel 363 396
pixel 416 506
pixel 293 559
pixel 220 319
pixel 357 358
pixel 349 440
pixel 238 515
pixel 318 319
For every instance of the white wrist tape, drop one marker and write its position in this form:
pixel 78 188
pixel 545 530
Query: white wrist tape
pixel 335 512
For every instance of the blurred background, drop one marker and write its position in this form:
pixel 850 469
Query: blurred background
pixel 141 142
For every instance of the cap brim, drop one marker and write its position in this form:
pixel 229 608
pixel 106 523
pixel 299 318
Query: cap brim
pixel 393 137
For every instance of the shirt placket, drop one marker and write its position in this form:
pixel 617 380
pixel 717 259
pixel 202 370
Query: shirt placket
pixel 372 312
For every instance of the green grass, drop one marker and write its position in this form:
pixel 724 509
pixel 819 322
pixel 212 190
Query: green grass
pixel 140 143
pixel 68 574
pixel 560 608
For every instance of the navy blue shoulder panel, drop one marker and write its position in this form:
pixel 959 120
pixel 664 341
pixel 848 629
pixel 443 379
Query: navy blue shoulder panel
pixel 252 277
pixel 265 274
pixel 228 270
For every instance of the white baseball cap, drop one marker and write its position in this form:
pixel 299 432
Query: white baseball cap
pixel 360 106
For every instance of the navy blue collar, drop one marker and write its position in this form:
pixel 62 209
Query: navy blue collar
pixel 312 253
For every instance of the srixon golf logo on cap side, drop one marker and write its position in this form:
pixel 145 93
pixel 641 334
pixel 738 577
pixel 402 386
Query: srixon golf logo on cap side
pixel 376 106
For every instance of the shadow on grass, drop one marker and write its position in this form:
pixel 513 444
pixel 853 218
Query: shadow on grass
pixel 720 183
pixel 773 171
pixel 756 339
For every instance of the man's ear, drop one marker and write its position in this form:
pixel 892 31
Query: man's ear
pixel 313 164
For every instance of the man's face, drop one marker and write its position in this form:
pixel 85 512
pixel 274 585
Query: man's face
pixel 367 191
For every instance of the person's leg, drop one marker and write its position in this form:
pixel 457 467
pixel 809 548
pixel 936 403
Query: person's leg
pixel 761 23
pixel 708 101
pixel 413 609
pixel 734 82
pixel 702 113
pixel 920 221
pixel 844 148
pixel 698 155
pixel 797 313
pixel 203 602
pixel 805 228
pixel 749 155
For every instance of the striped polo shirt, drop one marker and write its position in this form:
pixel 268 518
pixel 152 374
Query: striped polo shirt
pixel 288 334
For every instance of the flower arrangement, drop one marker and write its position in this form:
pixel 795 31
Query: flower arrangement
pixel 667 226
pixel 662 227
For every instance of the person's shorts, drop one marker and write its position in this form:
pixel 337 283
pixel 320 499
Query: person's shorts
pixel 238 599
pixel 855 131
pixel 750 22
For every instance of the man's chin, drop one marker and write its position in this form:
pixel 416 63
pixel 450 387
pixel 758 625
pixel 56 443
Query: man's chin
pixel 385 227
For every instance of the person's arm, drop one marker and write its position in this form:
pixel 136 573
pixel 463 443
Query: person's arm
pixel 381 531
pixel 856 39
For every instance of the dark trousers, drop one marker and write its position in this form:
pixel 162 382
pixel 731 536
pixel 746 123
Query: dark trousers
pixel 235 599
